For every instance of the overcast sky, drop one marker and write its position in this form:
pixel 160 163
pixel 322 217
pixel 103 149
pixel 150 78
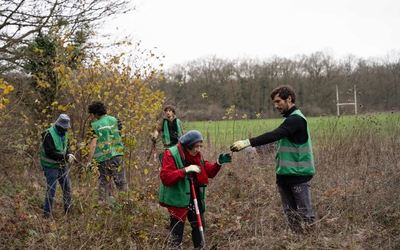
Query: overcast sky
pixel 185 30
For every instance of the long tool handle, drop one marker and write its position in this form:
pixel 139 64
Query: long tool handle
pixel 155 156
pixel 196 206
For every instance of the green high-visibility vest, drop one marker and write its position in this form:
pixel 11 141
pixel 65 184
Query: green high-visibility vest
pixel 295 159
pixel 166 137
pixel 179 194
pixel 109 142
pixel 60 147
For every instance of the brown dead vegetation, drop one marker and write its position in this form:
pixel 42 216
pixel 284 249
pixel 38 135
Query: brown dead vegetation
pixel 355 197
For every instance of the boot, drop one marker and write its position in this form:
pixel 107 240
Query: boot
pixel 46 215
pixel 295 225
pixel 309 225
pixel 175 234
pixel 173 243
pixel 68 209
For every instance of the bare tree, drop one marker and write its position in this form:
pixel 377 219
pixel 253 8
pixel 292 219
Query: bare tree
pixel 321 74
pixel 21 20
pixel 392 64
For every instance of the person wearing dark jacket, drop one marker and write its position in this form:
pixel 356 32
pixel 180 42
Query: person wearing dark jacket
pixel 54 158
pixel 178 163
pixel 170 128
pixel 294 158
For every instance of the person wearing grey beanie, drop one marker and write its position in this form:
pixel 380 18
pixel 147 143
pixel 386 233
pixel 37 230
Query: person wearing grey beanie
pixel 55 158
pixel 178 163
pixel 190 138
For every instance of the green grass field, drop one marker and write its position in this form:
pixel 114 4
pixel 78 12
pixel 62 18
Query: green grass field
pixel 224 132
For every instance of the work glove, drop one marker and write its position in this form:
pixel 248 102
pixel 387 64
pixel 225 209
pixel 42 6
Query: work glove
pixel 240 145
pixel 154 139
pixel 81 145
pixel 71 158
pixel 88 167
pixel 224 158
pixel 192 169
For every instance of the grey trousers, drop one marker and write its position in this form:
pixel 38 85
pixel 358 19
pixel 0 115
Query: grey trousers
pixel 296 202
pixel 111 170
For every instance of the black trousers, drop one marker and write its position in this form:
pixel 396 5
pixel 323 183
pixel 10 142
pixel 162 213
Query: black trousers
pixel 177 227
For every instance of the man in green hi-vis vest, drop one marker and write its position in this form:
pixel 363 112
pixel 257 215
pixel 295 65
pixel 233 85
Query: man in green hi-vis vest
pixel 170 128
pixel 106 150
pixel 55 158
pixel 294 159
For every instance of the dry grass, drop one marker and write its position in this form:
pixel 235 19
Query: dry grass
pixel 355 196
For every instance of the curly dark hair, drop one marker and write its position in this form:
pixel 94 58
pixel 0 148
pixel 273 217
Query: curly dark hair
pixel 284 92
pixel 98 108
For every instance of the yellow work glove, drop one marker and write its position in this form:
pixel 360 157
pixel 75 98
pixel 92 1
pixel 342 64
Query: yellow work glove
pixel 71 158
pixel 240 145
pixel 192 169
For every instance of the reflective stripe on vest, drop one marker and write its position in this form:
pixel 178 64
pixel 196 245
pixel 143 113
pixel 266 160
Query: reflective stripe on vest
pixel 49 160
pixel 295 159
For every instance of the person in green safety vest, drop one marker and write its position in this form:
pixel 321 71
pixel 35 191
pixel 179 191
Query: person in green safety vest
pixel 170 128
pixel 55 156
pixel 106 150
pixel 177 164
pixel 294 159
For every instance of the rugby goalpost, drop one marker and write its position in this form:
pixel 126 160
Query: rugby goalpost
pixel 338 104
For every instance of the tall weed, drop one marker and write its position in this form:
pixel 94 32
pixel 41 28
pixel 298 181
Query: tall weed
pixel 355 195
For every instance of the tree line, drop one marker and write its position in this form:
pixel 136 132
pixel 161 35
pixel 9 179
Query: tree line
pixel 205 88
pixel 49 64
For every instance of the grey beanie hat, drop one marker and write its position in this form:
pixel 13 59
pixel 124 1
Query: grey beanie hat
pixel 63 121
pixel 190 138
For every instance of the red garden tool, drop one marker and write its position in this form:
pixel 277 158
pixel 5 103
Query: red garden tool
pixel 154 151
pixel 196 206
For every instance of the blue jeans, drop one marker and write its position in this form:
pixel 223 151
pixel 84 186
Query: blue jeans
pixel 296 202
pixel 52 176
